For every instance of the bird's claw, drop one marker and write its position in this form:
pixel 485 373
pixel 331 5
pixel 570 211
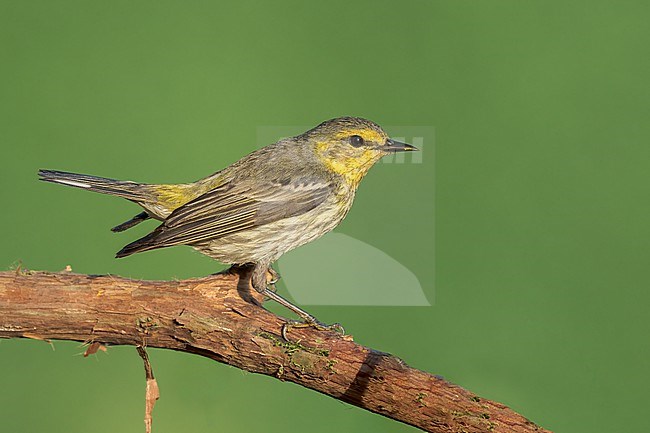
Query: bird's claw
pixel 289 324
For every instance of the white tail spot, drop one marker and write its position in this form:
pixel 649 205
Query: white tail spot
pixel 72 183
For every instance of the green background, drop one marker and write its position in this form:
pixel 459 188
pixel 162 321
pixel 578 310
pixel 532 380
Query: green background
pixel 533 212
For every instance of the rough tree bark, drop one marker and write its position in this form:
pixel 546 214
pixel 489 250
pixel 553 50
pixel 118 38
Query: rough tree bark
pixel 220 318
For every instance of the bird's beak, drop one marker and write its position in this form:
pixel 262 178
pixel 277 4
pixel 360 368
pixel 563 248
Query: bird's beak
pixel 396 146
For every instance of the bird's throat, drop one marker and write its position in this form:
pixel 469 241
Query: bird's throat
pixel 351 169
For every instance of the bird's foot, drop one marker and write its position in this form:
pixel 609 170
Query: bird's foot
pixel 308 321
pixel 272 276
pixel 290 324
pixel 271 287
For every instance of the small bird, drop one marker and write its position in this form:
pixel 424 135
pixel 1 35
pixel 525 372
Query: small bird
pixel 269 202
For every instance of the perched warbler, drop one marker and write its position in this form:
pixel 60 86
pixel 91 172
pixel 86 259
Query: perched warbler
pixel 267 203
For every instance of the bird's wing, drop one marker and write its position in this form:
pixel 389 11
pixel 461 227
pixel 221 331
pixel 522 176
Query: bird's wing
pixel 231 208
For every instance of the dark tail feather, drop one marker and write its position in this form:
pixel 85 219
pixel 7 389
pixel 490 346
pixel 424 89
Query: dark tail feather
pixel 129 190
pixel 131 223
pixel 143 244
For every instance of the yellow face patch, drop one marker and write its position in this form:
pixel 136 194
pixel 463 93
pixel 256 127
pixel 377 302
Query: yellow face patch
pixel 352 164
pixel 341 157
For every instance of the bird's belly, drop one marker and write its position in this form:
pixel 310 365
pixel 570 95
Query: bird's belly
pixel 266 243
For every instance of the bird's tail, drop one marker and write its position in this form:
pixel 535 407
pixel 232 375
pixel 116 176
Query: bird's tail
pixel 143 244
pixel 137 192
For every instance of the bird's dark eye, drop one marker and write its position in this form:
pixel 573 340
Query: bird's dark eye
pixel 356 140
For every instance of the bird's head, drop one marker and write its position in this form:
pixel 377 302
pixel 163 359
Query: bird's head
pixel 349 146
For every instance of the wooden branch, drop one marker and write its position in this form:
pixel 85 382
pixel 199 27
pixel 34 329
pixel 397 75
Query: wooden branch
pixel 220 318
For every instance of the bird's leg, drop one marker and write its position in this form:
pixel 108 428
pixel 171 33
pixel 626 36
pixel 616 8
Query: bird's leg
pixel 265 285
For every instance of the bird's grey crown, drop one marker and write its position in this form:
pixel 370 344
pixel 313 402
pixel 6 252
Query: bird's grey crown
pixel 341 123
